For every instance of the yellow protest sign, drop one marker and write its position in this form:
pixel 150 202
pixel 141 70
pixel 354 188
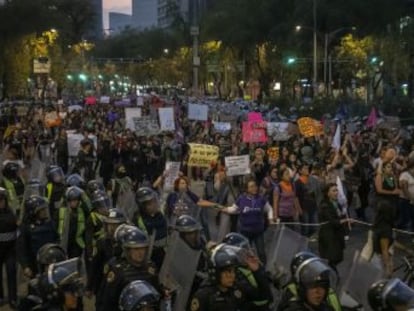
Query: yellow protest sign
pixel 309 127
pixel 202 155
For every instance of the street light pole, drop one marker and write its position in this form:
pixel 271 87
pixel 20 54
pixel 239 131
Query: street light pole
pixel 315 50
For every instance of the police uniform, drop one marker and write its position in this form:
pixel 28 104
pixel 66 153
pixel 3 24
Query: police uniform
pixel 120 275
pixel 211 298
pixel 255 288
pixel 302 306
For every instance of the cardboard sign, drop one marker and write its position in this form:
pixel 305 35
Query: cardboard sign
pixel 273 153
pixel 130 114
pixel 146 126
pixel 202 155
pixel 74 141
pixel 309 127
pixel 173 170
pixel 278 130
pixel 253 135
pixel 237 165
pixel 222 127
pixel 197 112
pixel 166 116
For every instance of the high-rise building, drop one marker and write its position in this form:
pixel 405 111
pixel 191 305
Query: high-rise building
pixel 186 10
pixel 119 22
pixel 97 29
pixel 144 14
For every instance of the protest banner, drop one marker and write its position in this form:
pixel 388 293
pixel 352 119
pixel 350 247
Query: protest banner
pixel 130 114
pixel 253 135
pixel 105 100
pixel 172 170
pixel 202 155
pixel 146 126
pixel 222 127
pixel 273 153
pixel 197 112
pixel 309 127
pixel 237 165
pixel 74 141
pixel 166 116
pixel 254 117
pixel 278 130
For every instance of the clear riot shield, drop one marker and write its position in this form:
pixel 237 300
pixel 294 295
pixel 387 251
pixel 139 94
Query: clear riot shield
pixel 38 170
pixel 362 275
pixel 178 270
pixel 224 226
pixel 64 234
pixel 126 203
pixel 185 206
pixel 284 244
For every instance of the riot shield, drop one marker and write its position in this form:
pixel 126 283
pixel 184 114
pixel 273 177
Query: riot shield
pixel 64 232
pixel 184 206
pixel 178 270
pixel 126 203
pixel 362 275
pixel 287 243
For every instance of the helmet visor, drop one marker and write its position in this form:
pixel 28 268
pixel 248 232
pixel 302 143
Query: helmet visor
pixel 315 273
pixel 137 295
pixel 65 272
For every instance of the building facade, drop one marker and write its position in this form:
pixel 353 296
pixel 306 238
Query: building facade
pixel 119 22
pixel 144 14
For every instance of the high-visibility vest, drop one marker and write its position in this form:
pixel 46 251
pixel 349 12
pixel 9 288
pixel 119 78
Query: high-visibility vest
pixel 248 274
pixel 12 196
pixel 331 298
pixel 80 228
pixel 49 188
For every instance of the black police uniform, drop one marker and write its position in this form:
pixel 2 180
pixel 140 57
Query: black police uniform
pixel 211 298
pixel 302 306
pixel 120 275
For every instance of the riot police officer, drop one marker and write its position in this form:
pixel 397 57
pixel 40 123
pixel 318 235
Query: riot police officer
pixel 55 189
pixel 72 219
pixel 391 295
pixel 150 219
pixel 106 248
pixel 290 291
pixel 14 185
pixel 37 230
pixel 93 186
pixel 76 180
pixel 314 279
pixel 222 294
pixel 61 286
pixel 133 266
pixel 139 296
pixel 248 280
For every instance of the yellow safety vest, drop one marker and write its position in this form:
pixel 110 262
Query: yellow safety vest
pixel 12 196
pixel 248 274
pixel 332 298
pixel 80 229
pixel 49 188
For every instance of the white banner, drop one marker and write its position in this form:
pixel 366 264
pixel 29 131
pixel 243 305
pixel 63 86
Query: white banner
pixel 166 116
pixel 222 127
pixel 145 126
pixel 172 170
pixel 237 165
pixel 105 100
pixel 278 130
pixel 74 141
pixel 197 112
pixel 130 114
pixel 140 101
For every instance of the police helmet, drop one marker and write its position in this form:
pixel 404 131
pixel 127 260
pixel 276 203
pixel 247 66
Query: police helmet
pixel 73 193
pixel 115 216
pixel 386 295
pixel 55 174
pixel 10 170
pixel 138 294
pixel 236 239
pixel 75 180
pixel 186 223
pixel 135 238
pixel 93 186
pixel 50 253
pixel 34 204
pixel 223 256
pixel 121 232
pixel 100 200
pixel 144 194
pixel 300 259
pixel 314 273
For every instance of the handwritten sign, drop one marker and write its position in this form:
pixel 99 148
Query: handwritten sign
pixel 172 169
pixel 166 116
pixel 74 141
pixel 130 114
pixel 145 126
pixel 222 127
pixel 237 165
pixel 202 155
pixel 278 130
pixel 253 135
pixel 197 112
pixel 309 127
